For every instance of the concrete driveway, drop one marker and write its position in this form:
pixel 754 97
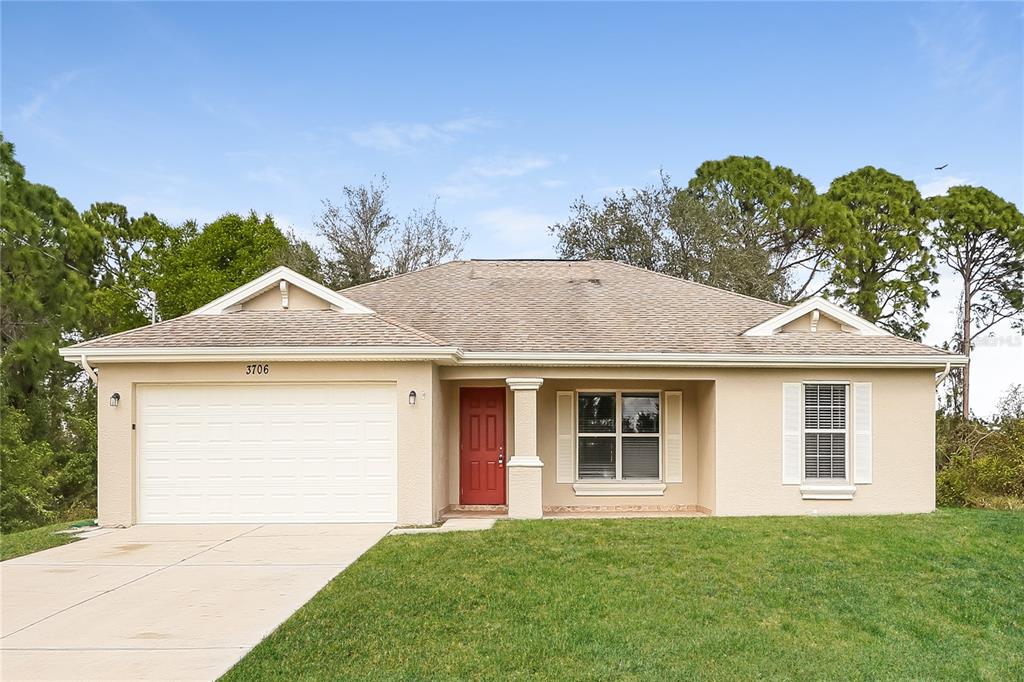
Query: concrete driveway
pixel 163 602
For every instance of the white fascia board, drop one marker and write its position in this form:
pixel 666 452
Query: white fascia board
pixel 252 353
pixel 830 309
pixel 705 360
pixel 454 355
pixel 270 280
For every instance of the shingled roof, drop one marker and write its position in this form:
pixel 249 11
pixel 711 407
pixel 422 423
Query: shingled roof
pixel 269 328
pixel 594 306
pixel 520 307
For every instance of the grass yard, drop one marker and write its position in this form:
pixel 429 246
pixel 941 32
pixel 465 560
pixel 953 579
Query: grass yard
pixel 36 540
pixel 938 596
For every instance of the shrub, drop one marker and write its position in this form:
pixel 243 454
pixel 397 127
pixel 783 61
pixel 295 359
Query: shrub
pixel 980 464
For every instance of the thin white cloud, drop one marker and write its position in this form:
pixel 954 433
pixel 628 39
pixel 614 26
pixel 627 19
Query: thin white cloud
pixel 517 233
pixel 29 110
pixel 508 167
pixel 169 207
pixel 397 137
pixel 953 40
pixel 267 175
pixel 939 186
pixel 475 179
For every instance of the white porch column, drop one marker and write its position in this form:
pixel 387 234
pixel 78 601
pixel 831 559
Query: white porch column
pixel 524 468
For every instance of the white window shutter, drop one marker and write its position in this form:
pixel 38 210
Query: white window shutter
pixel 673 436
pixel 862 432
pixel 565 437
pixel 791 397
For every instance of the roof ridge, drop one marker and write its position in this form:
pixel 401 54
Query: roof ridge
pixel 401 274
pixel 690 281
pixel 412 330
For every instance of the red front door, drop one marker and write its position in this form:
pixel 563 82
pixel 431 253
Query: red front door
pixel 482 446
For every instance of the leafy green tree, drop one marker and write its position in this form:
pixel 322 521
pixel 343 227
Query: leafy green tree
pixel 980 236
pixel 122 297
pixel 772 211
pixel 200 265
pixel 877 245
pixel 47 257
pixel 628 226
pixel 705 248
pixel 26 497
pixel 676 231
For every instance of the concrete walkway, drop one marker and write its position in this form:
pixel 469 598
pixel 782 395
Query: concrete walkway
pixel 163 602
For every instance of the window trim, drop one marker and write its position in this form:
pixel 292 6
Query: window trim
pixel 618 435
pixel 814 486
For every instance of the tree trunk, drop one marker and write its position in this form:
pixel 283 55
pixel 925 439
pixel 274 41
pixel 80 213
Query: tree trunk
pixel 965 349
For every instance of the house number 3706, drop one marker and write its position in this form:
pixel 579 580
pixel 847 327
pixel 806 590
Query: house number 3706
pixel 257 369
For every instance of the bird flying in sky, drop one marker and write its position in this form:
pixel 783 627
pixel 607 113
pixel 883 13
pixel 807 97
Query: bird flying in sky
pixel 941 167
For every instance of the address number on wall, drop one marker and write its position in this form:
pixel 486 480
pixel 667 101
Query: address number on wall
pixel 257 369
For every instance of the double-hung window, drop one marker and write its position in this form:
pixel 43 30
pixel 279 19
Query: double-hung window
pixel 825 431
pixel 618 436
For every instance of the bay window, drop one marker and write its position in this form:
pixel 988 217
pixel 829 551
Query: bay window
pixel 618 436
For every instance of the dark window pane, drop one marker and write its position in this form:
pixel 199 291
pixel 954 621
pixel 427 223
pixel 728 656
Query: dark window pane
pixel 596 413
pixel 640 457
pixel 597 457
pixel 824 455
pixel 640 412
pixel 825 406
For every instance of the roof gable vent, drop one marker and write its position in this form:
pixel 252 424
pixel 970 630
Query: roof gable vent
pixel 281 288
pixel 816 315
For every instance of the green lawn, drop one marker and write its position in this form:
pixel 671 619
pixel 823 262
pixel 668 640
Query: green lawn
pixel 938 596
pixel 28 541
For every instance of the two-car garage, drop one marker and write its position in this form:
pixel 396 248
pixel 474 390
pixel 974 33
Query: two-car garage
pixel 271 452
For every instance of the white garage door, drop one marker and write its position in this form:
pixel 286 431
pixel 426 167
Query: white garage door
pixel 271 453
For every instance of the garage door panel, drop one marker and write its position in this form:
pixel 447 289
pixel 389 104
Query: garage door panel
pixel 287 453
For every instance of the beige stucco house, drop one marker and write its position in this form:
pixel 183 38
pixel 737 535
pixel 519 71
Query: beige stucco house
pixel 539 386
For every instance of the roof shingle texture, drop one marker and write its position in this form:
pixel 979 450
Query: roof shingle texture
pixel 268 328
pixel 594 306
pixel 521 306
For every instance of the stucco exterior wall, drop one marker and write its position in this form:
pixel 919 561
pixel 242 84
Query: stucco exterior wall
pixel 562 494
pixel 749 443
pixel 704 395
pixel 439 446
pixel 117 456
pixel 732 432
pixel 732 438
pixel 803 324
pixel 298 299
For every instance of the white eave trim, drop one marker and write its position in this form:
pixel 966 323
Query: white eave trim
pixel 273 279
pixel 456 356
pixel 857 324
pixel 705 360
pixel 251 353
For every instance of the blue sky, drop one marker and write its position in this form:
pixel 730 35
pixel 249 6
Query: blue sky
pixel 507 112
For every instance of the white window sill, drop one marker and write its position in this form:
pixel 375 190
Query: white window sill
pixel 618 489
pixel 827 491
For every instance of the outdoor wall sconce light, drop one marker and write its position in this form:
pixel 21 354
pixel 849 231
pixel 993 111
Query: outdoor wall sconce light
pixel 115 399
pixel 412 397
